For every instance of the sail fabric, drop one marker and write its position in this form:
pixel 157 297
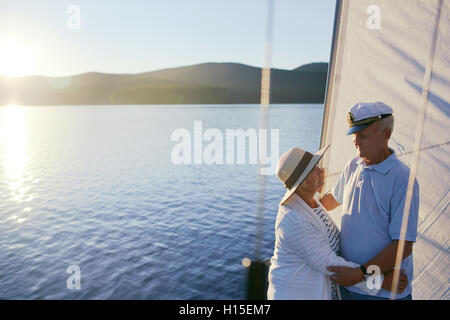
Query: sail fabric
pixel 381 52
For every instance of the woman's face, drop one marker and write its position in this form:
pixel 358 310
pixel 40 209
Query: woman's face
pixel 315 180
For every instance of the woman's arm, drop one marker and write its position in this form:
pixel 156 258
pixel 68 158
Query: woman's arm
pixel 329 202
pixel 310 244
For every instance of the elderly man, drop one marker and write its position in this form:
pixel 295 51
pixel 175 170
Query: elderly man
pixel 372 191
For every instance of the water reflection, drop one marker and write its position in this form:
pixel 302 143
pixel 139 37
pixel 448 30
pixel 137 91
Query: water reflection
pixel 13 150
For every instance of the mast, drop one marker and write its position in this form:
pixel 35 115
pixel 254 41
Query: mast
pixel 334 75
pixel 331 72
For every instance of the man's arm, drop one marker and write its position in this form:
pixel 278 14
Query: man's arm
pixel 329 202
pixel 385 260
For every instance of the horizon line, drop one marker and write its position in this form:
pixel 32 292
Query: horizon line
pixel 156 70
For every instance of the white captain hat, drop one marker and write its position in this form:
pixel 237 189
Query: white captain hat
pixel 363 114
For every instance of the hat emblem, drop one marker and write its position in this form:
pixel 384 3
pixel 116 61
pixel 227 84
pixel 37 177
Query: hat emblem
pixel 350 117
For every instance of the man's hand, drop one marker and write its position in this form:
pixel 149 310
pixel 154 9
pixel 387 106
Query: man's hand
pixel 389 276
pixel 346 276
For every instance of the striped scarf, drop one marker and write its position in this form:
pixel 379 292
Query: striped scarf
pixel 334 238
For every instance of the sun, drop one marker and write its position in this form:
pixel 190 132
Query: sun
pixel 15 58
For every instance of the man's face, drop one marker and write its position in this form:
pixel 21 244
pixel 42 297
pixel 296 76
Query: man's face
pixel 370 141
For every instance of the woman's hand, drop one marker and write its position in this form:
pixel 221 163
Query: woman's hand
pixel 346 276
pixel 389 277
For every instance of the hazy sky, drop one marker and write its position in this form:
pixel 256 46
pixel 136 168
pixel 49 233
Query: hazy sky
pixel 132 36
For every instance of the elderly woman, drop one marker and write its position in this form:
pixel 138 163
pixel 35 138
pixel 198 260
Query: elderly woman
pixel 306 240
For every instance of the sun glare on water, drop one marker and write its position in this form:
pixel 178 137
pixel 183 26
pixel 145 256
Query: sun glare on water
pixel 13 149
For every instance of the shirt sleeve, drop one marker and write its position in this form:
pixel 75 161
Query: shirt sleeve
pixel 310 245
pixel 397 206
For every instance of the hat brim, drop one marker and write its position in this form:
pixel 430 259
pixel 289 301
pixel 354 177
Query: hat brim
pixel 355 129
pixel 314 161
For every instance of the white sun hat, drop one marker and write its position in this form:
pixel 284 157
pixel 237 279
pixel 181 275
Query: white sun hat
pixel 294 166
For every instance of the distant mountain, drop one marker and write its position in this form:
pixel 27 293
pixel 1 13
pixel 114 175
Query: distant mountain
pixel 313 67
pixel 207 83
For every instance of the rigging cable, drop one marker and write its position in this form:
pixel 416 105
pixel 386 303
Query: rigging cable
pixel 257 273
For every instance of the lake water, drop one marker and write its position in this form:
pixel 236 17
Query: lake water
pixel 96 187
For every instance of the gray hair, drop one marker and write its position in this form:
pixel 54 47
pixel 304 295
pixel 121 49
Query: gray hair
pixel 387 123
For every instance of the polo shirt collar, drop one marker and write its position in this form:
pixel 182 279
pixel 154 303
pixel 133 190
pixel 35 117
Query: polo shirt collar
pixel 382 167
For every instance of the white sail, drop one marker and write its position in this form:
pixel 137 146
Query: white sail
pixel 382 51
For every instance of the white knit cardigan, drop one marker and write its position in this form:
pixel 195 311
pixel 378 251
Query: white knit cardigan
pixel 302 254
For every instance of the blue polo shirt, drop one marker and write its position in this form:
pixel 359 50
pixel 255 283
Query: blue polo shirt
pixel 373 199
